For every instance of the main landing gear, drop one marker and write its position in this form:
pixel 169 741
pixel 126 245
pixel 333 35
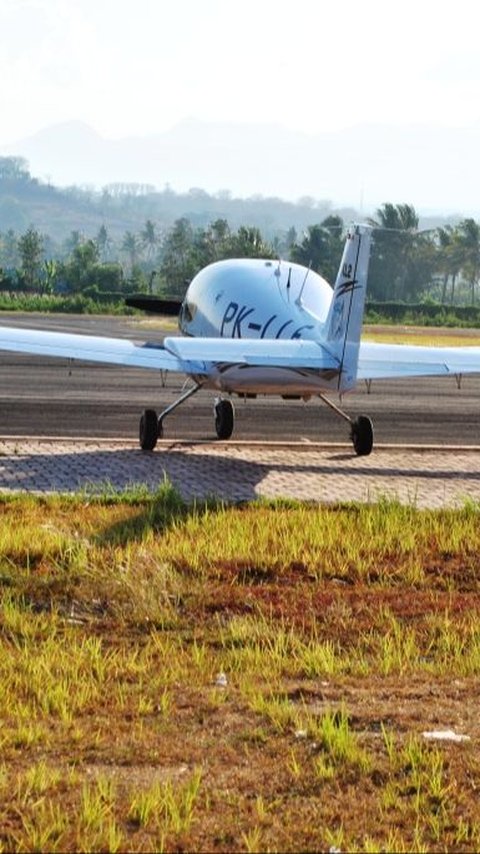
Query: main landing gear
pixel 361 429
pixel 151 424
pixel 361 434
pixel 224 418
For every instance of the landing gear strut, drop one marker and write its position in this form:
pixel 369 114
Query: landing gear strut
pixel 361 429
pixel 151 425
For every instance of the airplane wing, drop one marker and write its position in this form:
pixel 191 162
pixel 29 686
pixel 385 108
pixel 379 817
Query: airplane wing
pixel 390 361
pixel 185 355
pixel 89 348
pixel 199 355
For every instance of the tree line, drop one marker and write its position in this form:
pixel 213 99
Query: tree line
pixel 441 264
pixel 56 211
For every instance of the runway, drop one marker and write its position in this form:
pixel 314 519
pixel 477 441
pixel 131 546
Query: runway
pixel 90 413
pixel 49 397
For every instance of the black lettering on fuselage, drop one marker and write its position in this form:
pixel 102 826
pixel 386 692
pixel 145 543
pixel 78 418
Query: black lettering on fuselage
pixel 284 326
pixel 235 314
pixel 242 314
pixel 230 313
pixel 298 332
pixel 267 324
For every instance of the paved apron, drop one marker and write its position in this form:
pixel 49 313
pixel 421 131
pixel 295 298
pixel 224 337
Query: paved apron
pixel 240 472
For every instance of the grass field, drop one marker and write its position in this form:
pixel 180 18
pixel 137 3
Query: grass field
pixel 246 678
pixel 422 335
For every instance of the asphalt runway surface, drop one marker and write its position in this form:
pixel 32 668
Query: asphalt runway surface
pixel 54 397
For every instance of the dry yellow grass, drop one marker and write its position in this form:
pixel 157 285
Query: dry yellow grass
pixel 250 678
pixel 422 335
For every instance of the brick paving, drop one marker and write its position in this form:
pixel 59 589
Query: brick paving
pixel 242 471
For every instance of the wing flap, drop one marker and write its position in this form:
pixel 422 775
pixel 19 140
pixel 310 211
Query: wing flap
pixel 388 361
pixel 262 352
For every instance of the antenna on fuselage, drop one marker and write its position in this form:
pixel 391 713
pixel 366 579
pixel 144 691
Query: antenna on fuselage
pixel 289 282
pixel 298 301
pixel 277 274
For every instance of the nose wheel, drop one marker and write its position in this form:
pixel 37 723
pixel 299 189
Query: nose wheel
pixel 224 418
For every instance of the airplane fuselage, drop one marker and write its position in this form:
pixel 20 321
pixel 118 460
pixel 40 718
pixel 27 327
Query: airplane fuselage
pixel 254 298
pixel 259 299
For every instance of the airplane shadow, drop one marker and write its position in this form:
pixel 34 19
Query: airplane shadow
pixel 224 477
pixel 227 476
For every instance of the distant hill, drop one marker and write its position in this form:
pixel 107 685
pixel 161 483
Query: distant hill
pixel 125 206
pixel 433 168
pixel 182 155
pixel 56 212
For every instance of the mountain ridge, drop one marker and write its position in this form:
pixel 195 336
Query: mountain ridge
pixel 430 167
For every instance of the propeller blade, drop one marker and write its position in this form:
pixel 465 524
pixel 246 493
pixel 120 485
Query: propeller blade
pixel 154 305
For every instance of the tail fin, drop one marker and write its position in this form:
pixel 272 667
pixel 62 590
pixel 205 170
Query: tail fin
pixel 345 317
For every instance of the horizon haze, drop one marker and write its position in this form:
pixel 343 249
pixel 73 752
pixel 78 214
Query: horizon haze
pixel 362 167
pixel 357 103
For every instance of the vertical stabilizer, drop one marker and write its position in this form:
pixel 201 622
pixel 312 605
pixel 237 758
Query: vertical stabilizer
pixel 345 317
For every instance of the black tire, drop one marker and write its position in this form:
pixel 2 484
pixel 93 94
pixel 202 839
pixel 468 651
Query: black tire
pixel 148 433
pixel 224 418
pixel 362 436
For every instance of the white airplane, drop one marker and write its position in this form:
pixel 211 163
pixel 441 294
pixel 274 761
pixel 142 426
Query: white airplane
pixel 263 327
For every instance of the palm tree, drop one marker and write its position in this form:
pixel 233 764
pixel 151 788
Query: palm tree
pixel 149 239
pixel 103 242
pixel 249 243
pixel 469 239
pixel 9 250
pixel 396 217
pixel 72 242
pixel 130 247
pixel 393 250
pixel 321 247
pixel 449 255
pixel 312 251
pixel 30 248
pixel 179 257
pixel 217 237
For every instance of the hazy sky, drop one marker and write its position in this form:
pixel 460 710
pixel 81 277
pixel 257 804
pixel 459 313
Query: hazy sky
pixel 138 67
